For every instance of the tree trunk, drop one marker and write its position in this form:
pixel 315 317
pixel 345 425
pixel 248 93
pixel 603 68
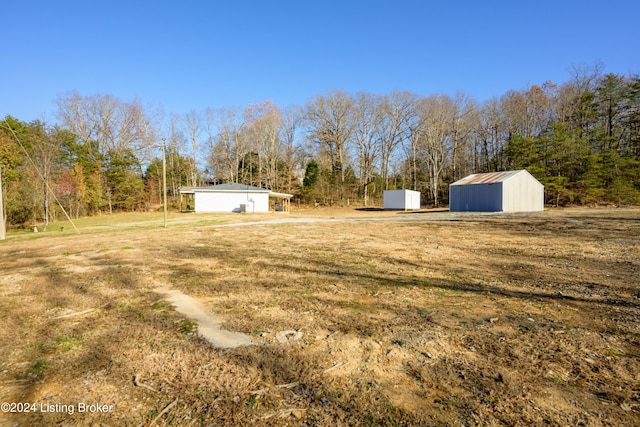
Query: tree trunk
pixel 414 166
pixel 46 200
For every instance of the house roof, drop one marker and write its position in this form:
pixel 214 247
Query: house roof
pixel 232 187
pixel 488 178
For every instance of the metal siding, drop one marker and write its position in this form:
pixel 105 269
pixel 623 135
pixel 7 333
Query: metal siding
pixel 412 199
pixel 514 195
pixel 518 191
pixel 393 199
pixel 523 193
pixel 476 198
pixel 454 198
pixel 486 178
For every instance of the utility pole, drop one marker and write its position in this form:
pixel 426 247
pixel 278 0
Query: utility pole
pixel 164 183
pixel 2 227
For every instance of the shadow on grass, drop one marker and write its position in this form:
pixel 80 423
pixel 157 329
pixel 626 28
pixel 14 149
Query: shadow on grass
pixel 340 271
pixel 217 385
pixel 129 336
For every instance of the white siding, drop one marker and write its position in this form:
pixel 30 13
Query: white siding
pixel 523 193
pixel 231 201
pixel 412 199
pixel 401 199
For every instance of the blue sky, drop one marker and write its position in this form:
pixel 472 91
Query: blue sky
pixel 190 55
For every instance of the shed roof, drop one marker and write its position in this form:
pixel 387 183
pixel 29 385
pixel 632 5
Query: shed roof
pixel 488 178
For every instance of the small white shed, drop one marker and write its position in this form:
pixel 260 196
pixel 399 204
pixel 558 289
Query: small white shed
pixel 509 191
pixel 232 197
pixel 401 199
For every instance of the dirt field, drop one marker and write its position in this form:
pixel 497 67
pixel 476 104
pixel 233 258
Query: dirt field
pixel 422 319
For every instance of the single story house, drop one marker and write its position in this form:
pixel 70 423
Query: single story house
pixel 233 197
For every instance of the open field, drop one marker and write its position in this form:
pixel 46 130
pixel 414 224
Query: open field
pixel 405 319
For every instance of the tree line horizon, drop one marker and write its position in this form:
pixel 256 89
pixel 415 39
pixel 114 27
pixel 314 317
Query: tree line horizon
pixel 581 139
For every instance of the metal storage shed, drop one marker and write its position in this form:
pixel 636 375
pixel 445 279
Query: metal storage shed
pixel 509 191
pixel 231 197
pixel 401 199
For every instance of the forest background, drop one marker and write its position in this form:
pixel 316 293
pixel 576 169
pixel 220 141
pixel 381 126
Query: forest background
pixel 580 138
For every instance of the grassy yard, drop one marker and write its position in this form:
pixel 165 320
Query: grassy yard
pixel 436 320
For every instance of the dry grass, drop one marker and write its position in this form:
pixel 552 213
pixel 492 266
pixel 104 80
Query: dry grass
pixel 477 321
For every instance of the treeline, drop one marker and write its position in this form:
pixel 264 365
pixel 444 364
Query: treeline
pixel 581 139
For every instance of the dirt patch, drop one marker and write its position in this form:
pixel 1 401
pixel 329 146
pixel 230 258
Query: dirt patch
pixel 474 320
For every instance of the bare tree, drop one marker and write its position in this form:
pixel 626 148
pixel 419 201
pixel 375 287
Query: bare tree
pixel 77 113
pixel 116 126
pixel 392 127
pixel 263 127
pixel 193 126
pixel 462 130
pixel 366 116
pixel 490 131
pixel 227 142
pixel 292 117
pixel 414 129
pixel 585 77
pixel 528 112
pixel 437 139
pixel 45 145
pixel 176 144
pixel 330 126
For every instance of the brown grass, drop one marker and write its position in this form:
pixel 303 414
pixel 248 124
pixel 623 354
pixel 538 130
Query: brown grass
pixel 479 321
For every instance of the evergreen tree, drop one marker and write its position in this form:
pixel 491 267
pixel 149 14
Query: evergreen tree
pixel 310 175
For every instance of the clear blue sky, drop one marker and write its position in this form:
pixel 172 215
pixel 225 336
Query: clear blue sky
pixel 188 55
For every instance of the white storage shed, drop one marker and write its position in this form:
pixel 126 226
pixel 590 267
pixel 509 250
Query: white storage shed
pixel 233 197
pixel 509 191
pixel 401 199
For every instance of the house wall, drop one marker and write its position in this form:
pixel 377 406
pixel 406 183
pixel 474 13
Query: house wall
pixel 401 199
pixel 231 201
pixel 523 193
pixel 476 197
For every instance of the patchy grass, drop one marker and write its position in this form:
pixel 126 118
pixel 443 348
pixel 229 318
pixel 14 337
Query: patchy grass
pixel 483 321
